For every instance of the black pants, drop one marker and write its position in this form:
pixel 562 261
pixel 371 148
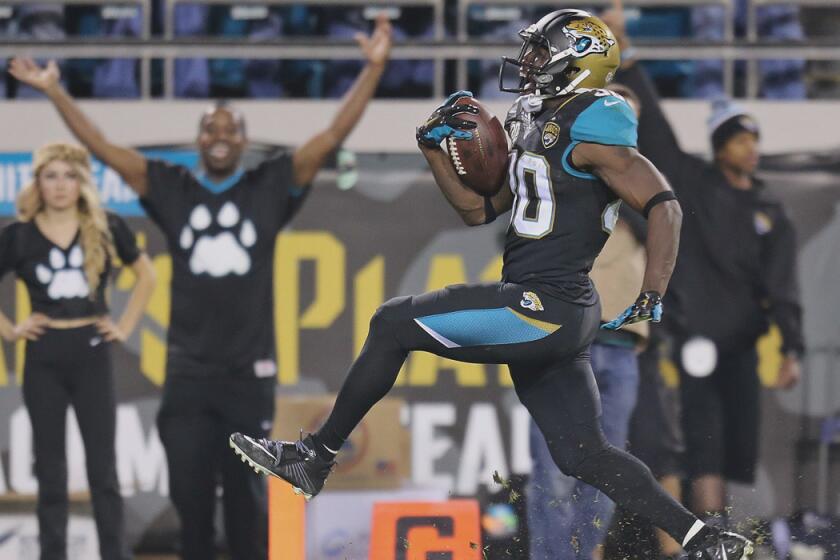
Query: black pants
pixel 655 431
pixel 720 415
pixel 196 417
pixel 73 367
pixel 655 438
pixel 546 344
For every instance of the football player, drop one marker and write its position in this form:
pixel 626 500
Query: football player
pixel 572 163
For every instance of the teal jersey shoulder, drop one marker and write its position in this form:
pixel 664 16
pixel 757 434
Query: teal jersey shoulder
pixel 608 119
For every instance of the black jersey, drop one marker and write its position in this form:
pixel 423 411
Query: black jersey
pixel 54 276
pixel 221 238
pixel 561 216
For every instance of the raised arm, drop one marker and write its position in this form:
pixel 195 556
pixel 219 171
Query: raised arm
pixel 129 163
pixel 657 140
pixel 309 158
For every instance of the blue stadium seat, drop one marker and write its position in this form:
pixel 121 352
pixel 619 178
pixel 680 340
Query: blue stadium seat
pixel 780 79
pixel 403 78
pixel 33 21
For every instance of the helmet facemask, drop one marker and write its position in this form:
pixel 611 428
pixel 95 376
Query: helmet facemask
pixel 532 63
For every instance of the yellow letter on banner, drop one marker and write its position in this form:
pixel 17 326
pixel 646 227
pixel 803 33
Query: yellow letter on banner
pixel 444 270
pixel 328 255
pixel 24 310
pixel 152 347
pixel 369 293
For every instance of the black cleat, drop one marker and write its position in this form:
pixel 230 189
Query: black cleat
pixel 293 461
pixel 722 546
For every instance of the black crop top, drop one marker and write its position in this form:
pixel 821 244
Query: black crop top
pixel 53 275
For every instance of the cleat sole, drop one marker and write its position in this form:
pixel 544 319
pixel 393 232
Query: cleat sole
pixel 259 469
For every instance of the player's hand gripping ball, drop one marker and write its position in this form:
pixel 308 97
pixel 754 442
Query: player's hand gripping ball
pixel 475 140
pixel 445 122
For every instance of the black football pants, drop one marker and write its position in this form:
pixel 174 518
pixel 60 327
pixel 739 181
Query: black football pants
pixel 545 342
pixel 196 417
pixel 73 367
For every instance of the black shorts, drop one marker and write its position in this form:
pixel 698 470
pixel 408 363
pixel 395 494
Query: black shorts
pixel 720 417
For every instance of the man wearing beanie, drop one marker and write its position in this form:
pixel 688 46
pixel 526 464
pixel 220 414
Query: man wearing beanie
pixel 736 273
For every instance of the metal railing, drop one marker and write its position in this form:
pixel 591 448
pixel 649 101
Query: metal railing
pixel 439 50
pixel 752 30
pixel 726 5
pixel 436 5
pixel 145 30
pixel 421 50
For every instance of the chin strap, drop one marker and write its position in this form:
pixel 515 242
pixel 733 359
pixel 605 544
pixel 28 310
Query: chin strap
pixel 574 83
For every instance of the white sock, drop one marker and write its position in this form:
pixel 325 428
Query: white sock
pixel 696 528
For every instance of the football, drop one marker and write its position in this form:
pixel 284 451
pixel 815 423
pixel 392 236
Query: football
pixel 481 162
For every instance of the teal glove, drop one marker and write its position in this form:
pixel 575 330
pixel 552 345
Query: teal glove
pixel 444 122
pixel 648 307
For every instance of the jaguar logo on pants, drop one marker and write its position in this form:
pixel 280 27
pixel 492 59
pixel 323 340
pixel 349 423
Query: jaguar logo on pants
pixel 531 301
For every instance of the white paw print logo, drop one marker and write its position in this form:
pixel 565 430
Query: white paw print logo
pixel 221 254
pixel 64 281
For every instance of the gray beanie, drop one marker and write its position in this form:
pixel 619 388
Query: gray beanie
pixel 728 119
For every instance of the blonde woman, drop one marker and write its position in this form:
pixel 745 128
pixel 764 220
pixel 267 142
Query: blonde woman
pixel 63 246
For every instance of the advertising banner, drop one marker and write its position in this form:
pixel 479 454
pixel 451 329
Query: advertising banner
pixel 348 251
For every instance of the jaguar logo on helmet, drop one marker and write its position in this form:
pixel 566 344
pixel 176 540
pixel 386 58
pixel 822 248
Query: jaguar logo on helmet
pixel 588 38
pixel 564 51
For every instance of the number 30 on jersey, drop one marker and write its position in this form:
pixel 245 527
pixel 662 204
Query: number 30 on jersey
pixel 530 181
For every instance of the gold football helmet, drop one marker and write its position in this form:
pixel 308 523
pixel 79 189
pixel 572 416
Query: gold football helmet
pixel 565 50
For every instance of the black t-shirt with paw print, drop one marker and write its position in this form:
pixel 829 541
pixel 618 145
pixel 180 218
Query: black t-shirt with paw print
pixel 222 246
pixel 54 276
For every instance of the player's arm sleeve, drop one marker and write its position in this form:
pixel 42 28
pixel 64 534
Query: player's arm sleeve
pixel 609 121
pixel 166 192
pixel 283 193
pixel 125 242
pixel 657 140
pixel 780 271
